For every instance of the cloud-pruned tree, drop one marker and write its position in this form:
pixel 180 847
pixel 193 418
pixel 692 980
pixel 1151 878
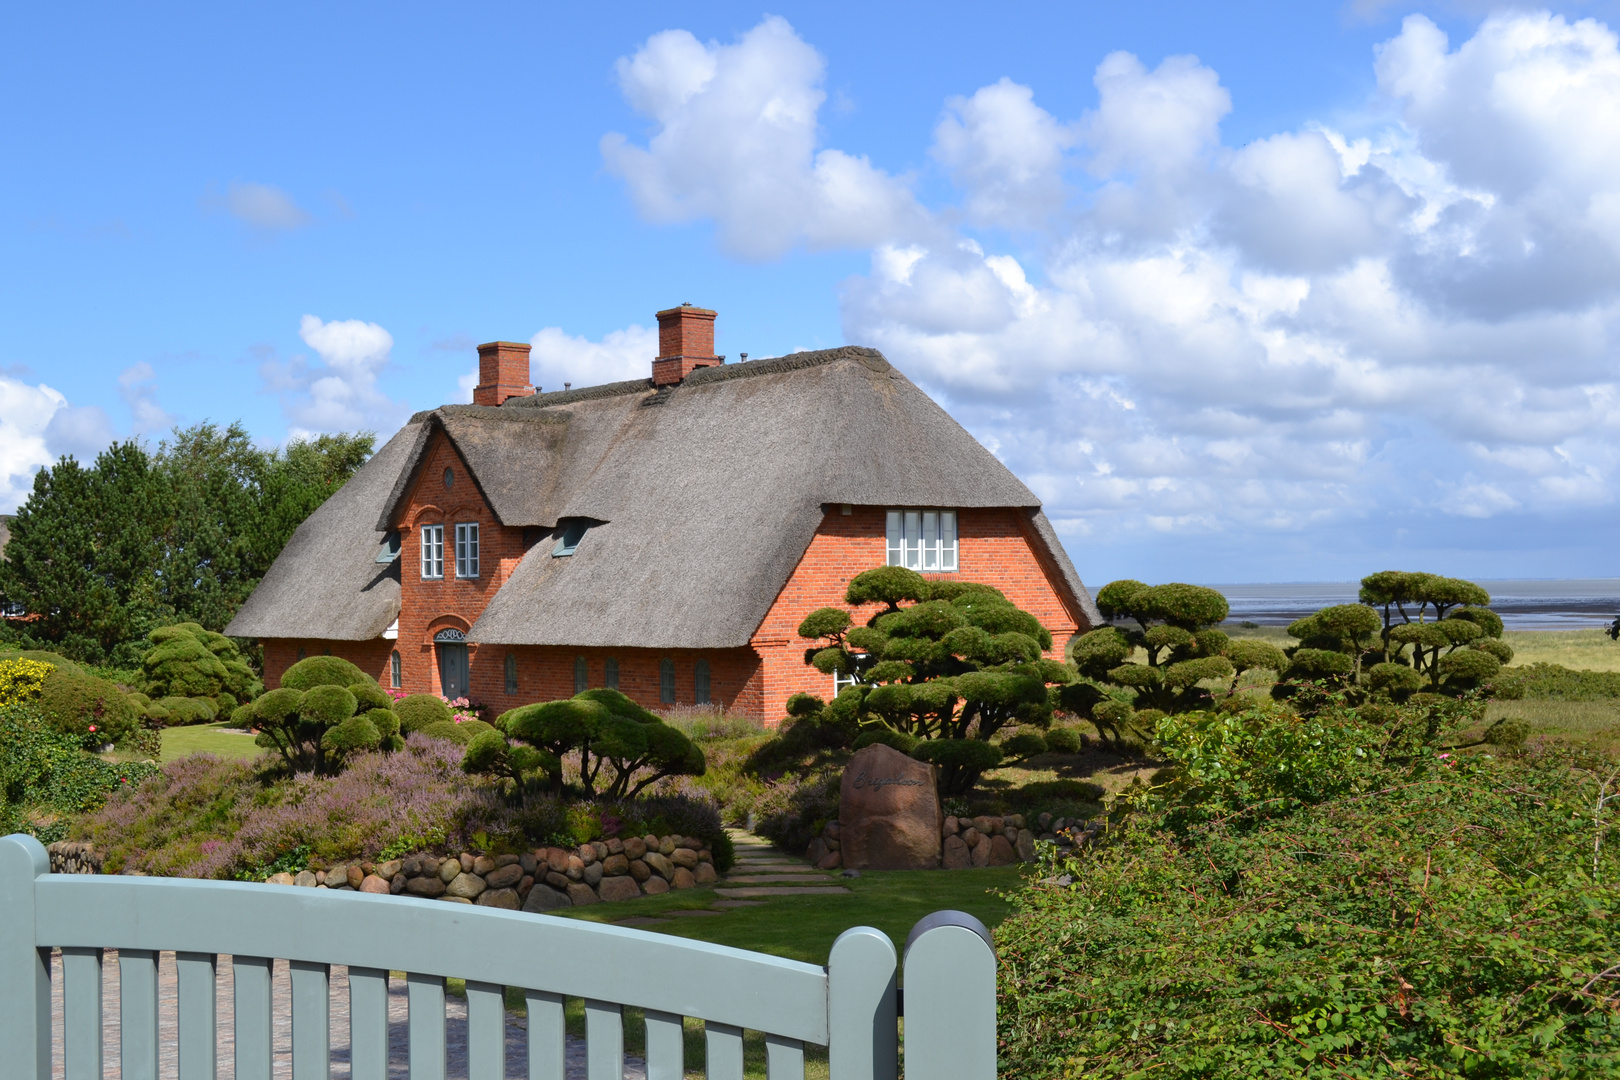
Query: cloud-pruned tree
pixel 939 669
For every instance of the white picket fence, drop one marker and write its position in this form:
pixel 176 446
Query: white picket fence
pixel 851 1006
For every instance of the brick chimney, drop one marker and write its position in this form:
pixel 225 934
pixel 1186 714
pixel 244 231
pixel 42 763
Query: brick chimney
pixel 503 372
pixel 685 343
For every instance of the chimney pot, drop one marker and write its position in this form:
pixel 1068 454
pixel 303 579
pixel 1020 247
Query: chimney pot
pixel 685 343
pixel 503 372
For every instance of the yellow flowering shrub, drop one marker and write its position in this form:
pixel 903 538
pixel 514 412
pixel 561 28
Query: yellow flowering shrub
pixel 20 680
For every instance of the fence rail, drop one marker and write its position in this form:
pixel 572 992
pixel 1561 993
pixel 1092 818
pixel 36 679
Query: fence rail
pixel 850 1006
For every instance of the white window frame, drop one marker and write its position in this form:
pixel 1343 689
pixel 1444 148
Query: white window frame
pixel 841 680
pixel 433 552
pixel 923 540
pixel 467 549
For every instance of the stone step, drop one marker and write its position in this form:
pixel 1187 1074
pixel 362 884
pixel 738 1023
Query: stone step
pixel 728 904
pixel 781 890
pixel 777 879
pixel 690 912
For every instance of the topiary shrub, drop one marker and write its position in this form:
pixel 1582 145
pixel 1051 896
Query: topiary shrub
pixel 93 710
pixel 888 737
pixel 600 728
pixel 325 710
pixel 960 761
pixel 462 734
pixel 324 671
pixel 418 711
pixel 178 711
pixel 185 660
pixel 1023 746
pixel 1065 741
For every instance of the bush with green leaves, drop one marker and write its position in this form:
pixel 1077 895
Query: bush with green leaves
pixel 419 711
pixel 619 747
pixel 186 661
pixel 1554 682
pixel 1430 916
pixel 1175 629
pixel 93 711
pixel 47 777
pixel 325 710
pixel 1410 632
pixel 939 662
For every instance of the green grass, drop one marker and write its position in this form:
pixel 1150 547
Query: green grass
pixel 804 927
pixel 1593 723
pixel 1589 649
pixel 798 928
pixel 179 742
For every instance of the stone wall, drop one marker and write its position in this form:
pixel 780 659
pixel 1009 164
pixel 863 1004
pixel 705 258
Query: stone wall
pixel 979 841
pixel 74 857
pixel 539 880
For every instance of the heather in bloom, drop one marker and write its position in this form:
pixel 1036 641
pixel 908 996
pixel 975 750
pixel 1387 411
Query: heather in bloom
pixel 203 817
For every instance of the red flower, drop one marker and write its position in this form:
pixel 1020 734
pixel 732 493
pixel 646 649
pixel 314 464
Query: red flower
pixel 92 727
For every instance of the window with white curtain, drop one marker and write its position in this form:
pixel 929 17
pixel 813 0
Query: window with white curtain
pixel 467 549
pixel 923 540
pixel 433 551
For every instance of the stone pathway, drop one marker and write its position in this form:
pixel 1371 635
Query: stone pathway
pixel 759 874
pixel 398 1039
pixel 763 872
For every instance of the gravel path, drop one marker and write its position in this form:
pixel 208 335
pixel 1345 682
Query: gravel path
pixel 455 1010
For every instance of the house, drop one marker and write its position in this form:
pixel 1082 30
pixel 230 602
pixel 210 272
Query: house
pixel 664 536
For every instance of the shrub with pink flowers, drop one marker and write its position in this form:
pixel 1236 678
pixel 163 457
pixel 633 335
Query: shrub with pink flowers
pixel 204 817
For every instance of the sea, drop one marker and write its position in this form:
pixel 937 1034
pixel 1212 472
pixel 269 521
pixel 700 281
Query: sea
pixel 1532 604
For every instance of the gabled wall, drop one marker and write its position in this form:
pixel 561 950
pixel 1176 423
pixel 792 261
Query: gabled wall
pixel 429 606
pixel 995 546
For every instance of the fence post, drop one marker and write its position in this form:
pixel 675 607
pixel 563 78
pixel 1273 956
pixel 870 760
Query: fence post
pixel 862 1034
pixel 950 970
pixel 25 969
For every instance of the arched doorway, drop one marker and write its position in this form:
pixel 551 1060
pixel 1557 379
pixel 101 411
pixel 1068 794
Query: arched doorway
pixel 451 645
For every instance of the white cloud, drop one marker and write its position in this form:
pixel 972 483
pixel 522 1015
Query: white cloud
pixel 26 436
pixel 341 395
pixel 137 386
pixel 1006 152
pixel 557 357
pixel 264 206
pixel 735 142
pixel 1410 313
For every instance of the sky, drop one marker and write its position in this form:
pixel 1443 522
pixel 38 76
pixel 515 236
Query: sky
pixel 1244 292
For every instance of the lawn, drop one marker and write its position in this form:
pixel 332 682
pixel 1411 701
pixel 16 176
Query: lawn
pixel 179 742
pixel 804 927
pixel 799 928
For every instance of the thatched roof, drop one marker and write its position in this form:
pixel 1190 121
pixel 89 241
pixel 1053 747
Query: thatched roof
pixel 327 583
pixel 705 494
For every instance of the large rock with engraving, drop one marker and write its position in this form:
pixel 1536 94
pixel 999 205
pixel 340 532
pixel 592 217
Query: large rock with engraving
pixel 888 812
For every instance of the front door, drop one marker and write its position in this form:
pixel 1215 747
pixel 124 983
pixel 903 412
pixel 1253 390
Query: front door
pixel 452 668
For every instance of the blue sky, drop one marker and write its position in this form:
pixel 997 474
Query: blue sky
pixel 1246 292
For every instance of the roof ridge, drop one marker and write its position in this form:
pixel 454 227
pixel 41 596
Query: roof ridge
pixel 872 358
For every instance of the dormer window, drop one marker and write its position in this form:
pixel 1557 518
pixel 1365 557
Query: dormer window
pixel 573 531
pixel 390 547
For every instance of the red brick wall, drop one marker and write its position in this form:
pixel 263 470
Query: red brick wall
pixel 370 657
pixel 994 547
pixel 430 605
pixel 546 673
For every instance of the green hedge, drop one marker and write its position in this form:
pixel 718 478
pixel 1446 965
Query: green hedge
pixel 1557 683
pixel 45 777
pixel 1438 919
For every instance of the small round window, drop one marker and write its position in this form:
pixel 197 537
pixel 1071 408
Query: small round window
pixel 449 479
